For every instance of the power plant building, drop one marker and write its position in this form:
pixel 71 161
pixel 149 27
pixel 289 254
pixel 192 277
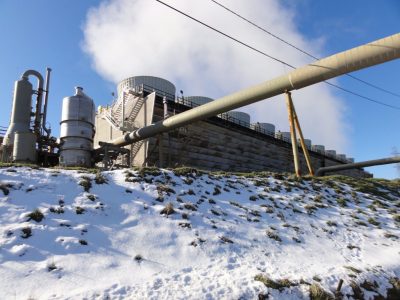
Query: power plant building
pixel 227 142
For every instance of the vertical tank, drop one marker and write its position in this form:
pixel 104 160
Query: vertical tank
pixel 239 117
pixel 350 160
pixel 196 100
pixel 318 148
pixel 161 86
pixel 24 147
pixel 341 157
pixel 283 136
pixel 331 153
pixel 266 128
pixel 307 142
pixel 21 110
pixel 77 130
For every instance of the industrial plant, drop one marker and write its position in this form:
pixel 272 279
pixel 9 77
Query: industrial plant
pixel 148 125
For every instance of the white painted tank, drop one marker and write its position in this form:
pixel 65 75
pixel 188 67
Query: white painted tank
pixel 24 147
pixel 266 128
pixel 77 130
pixel 150 83
pixel 239 117
pixel 331 153
pixel 318 148
pixel 196 100
pixel 21 110
pixel 341 157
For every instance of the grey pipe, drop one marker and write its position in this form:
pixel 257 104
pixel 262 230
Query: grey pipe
pixel 46 99
pixel 371 54
pixel 26 74
pixel 362 164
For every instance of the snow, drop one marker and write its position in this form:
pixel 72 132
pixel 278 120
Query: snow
pixel 112 242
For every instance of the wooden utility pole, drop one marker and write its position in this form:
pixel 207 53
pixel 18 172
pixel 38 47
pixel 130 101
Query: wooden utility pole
pixel 295 124
pixel 293 134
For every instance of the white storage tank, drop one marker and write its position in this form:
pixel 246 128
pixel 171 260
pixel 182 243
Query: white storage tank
pixel 266 128
pixel 318 148
pixel 161 86
pixel 331 153
pixel 24 147
pixel 196 100
pixel 239 117
pixel 77 130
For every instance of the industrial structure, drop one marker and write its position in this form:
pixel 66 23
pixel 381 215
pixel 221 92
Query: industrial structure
pixel 148 125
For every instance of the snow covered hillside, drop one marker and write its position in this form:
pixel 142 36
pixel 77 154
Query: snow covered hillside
pixel 183 234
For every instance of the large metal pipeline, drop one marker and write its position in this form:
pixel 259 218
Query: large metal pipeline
pixel 46 99
pixel 371 54
pixel 361 164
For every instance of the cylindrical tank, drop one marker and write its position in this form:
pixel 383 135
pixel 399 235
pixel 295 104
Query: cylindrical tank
pixel 24 147
pixel 239 117
pixel 283 135
pixel 318 148
pixel 77 130
pixel 266 128
pixel 307 142
pixel 350 160
pixel 161 86
pixel 331 153
pixel 196 100
pixel 341 157
pixel 21 110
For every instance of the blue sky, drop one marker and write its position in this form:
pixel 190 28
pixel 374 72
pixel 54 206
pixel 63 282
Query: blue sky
pixel 42 33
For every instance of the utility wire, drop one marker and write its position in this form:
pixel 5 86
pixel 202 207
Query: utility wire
pixel 270 56
pixel 301 50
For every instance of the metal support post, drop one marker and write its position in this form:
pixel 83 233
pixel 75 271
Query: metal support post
pixel 293 134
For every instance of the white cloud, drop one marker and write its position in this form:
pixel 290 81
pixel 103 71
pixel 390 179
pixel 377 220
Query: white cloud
pixel 139 37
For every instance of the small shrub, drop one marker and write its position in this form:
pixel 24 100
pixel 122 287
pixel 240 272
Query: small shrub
pixel 168 209
pixel 190 206
pixel 277 285
pixel 217 191
pixel 36 216
pixel 274 236
pixel 152 171
pixel 51 267
pixel 26 232
pixel 191 192
pixel 396 218
pixel 253 198
pixel 226 240
pixel 79 210
pixel 372 221
pixel 318 293
pixel 211 201
pixel 331 223
pixel 83 242
pixel 342 202
pixel 100 178
pixel 91 197
pixel 86 183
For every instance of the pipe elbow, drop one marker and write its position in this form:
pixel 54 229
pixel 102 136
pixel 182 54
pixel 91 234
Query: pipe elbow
pixel 39 76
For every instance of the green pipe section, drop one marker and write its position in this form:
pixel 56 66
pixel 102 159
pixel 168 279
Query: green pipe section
pixel 361 57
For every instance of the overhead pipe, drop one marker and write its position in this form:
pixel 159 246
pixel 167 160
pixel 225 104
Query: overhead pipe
pixel 38 99
pixel 362 164
pixel 361 57
pixel 46 98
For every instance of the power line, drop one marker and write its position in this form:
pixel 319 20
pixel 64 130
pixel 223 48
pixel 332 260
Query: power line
pixel 270 56
pixel 301 50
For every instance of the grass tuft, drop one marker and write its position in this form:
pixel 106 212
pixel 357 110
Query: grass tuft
pixel 36 216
